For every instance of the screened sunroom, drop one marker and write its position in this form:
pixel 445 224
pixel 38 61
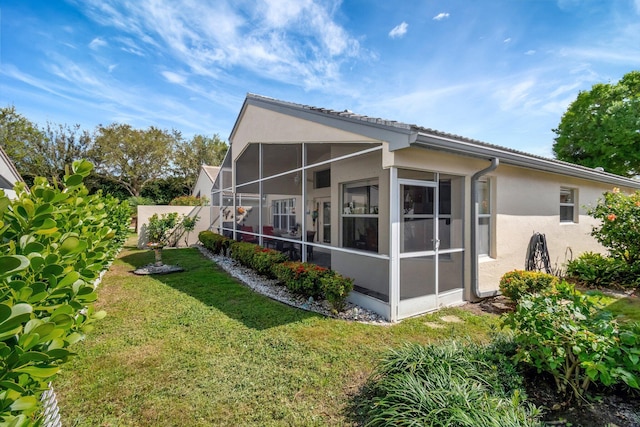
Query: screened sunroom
pixel 330 203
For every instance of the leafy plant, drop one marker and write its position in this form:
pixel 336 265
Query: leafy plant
pixel 215 242
pixel 594 269
pixel 564 333
pixel 189 201
pixel 619 229
pixel 517 283
pixel 336 289
pixel 160 227
pixel 53 245
pixel 448 384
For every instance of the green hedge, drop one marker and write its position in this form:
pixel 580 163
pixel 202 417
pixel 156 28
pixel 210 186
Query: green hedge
pixel 54 242
pixel 305 279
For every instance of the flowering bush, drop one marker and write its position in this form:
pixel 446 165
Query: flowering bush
pixel 619 230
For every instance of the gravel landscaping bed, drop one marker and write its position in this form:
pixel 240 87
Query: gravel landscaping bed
pixel 273 290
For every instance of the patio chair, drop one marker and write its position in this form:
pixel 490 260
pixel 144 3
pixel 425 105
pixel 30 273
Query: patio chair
pixel 247 237
pixel 267 230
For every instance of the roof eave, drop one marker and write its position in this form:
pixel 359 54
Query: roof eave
pixel 469 148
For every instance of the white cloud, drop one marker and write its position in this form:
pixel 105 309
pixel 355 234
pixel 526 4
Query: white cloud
pixel 507 40
pixel 530 52
pixel 297 42
pixel 399 30
pixel 441 16
pixel 112 67
pixel 97 43
pixel 174 77
pixel 636 3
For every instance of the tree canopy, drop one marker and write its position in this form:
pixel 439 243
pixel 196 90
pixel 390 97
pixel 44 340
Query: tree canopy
pixel 128 161
pixel 601 128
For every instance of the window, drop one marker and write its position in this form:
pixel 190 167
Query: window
pixel 284 214
pixel 323 178
pixel 360 215
pixel 484 217
pixel 567 204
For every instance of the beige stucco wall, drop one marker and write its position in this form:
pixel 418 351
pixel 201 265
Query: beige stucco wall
pixel 260 125
pixel 527 201
pixel 146 211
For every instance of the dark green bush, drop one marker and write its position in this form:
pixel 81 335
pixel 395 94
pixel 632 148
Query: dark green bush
pixel 301 277
pixel 216 243
pixel 518 283
pixel 54 242
pixel 594 269
pixel 243 252
pixel 448 384
pixel 336 289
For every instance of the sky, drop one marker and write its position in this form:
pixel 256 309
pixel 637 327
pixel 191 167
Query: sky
pixel 499 71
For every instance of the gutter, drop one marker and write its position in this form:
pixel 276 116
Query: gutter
pixel 475 286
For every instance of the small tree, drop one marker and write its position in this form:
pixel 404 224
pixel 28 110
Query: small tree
pixel 158 232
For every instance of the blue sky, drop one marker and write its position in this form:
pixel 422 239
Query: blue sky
pixel 501 71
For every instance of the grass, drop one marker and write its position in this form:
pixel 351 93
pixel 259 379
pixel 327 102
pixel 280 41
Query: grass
pixel 199 349
pixel 626 309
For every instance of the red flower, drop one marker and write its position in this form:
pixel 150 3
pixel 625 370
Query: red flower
pixel 611 217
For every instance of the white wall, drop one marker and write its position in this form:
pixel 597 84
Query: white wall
pixel 146 211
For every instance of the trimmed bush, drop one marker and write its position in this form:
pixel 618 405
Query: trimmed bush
pixel 336 289
pixel 515 284
pixel 54 242
pixel 217 243
pixel 301 277
pixel 448 384
pixel 263 259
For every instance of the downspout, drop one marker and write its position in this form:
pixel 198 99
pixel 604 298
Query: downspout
pixel 475 286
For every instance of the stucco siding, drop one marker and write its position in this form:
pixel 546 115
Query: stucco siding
pixel 260 125
pixel 527 201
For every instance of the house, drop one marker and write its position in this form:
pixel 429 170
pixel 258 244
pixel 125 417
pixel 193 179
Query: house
pixel 204 183
pixel 9 175
pixel 420 219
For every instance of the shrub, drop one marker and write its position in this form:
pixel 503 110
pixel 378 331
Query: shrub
pixel 214 242
pixel 517 283
pixel 562 332
pixel 189 201
pixel 594 269
pixel 263 259
pixel 336 289
pixel 53 245
pixel 301 277
pixel 446 384
pixel 243 252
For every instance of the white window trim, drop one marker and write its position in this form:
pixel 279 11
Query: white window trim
pixel 574 205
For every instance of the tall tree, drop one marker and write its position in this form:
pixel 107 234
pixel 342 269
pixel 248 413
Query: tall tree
pixel 131 156
pixel 17 137
pixel 41 152
pixel 601 128
pixel 201 150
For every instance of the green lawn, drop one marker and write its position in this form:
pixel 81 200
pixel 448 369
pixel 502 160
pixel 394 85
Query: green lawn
pixel 199 349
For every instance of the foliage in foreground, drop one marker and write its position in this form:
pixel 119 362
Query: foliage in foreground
pixel 448 384
pixel 53 245
pixel 564 333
